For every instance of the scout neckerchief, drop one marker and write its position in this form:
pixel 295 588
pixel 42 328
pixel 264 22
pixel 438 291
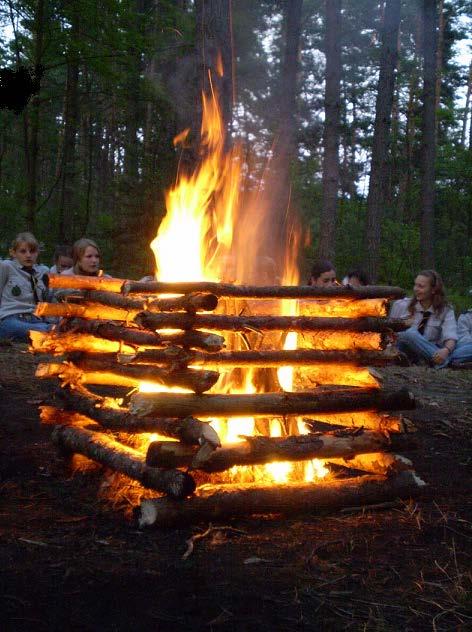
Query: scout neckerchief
pixel 33 281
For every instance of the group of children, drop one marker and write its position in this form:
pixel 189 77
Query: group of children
pixel 24 282
pixel 433 335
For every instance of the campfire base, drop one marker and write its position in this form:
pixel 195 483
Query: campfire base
pixel 216 502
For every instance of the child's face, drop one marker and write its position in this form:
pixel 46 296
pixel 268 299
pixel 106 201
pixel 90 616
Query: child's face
pixel 26 254
pixel 90 260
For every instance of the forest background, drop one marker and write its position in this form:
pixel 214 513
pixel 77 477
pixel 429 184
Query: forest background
pixel 364 108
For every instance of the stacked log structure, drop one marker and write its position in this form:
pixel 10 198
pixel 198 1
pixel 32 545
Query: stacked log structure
pixel 118 333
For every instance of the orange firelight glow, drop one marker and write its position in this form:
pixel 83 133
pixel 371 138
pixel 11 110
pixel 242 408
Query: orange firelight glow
pixel 197 241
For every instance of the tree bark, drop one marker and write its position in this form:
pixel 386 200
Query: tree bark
pixel 260 359
pixel 218 502
pixel 316 401
pixel 382 463
pixel 326 246
pixel 260 449
pixel 188 430
pixel 192 303
pixel 108 452
pixel 136 337
pixel 263 323
pixel 87 371
pixel 428 144
pixel 383 113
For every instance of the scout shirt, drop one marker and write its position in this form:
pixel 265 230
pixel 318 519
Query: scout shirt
pixel 18 288
pixel 439 328
pixel 464 327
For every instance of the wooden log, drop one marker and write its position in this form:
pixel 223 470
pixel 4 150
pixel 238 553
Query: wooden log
pixel 133 336
pixel 217 502
pixel 79 282
pixel 189 431
pixel 105 450
pixel 333 307
pixel 221 322
pixel 258 449
pixel 383 463
pixel 195 380
pixel 88 310
pixel 263 359
pixel 86 371
pixel 371 419
pixel 263 404
pixel 190 302
pixel 251 291
pixel 57 343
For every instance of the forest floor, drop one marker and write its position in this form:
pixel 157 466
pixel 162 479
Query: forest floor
pixel 71 561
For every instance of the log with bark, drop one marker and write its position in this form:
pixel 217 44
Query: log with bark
pixel 383 463
pixel 256 450
pixel 250 291
pixel 334 307
pixel 80 282
pixel 189 303
pixel 91 372
pixel 263 359
pixel 220 322
pixel 57 343
pixel 108 414
pixel 133 336
pixel 263 404
pixel 105 450
pixel 371 419
pixel 218 502
pixel 85 310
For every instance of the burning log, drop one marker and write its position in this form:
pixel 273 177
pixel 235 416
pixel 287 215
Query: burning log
pixel 58 344
pixel 96 372
pixel 111 453
pixel 347 307
pixel 260 449
pixel 188 430
pixel 376 463
pixel 190 303
pixel 249 291
pixel 264 323
pixel 267 404
pixel 263 359
pixel 133 336
pixel 217 502
pixel 373 420
pixel 88 310
pixel 60 281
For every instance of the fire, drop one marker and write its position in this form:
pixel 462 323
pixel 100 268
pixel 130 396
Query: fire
pixel 198 241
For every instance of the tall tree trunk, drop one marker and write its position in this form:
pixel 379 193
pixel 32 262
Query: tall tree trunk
pixel 326 246
pixel 428 144
pixel 285 146
pixel 467 106
pixel 383 113
pixel 32 123
pixel 68 207
pixel 439 58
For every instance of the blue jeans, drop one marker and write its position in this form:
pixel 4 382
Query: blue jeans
pixel 16 327
pixel 462 353
pixel 418 348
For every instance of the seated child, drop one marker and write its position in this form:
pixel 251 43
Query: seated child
pixel 22 286
pixel 432 332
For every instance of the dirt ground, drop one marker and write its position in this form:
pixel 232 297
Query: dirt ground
pixel 70 561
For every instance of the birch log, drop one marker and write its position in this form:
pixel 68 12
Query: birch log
pixel 218 502
pixel 264 404
pixel 105 450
